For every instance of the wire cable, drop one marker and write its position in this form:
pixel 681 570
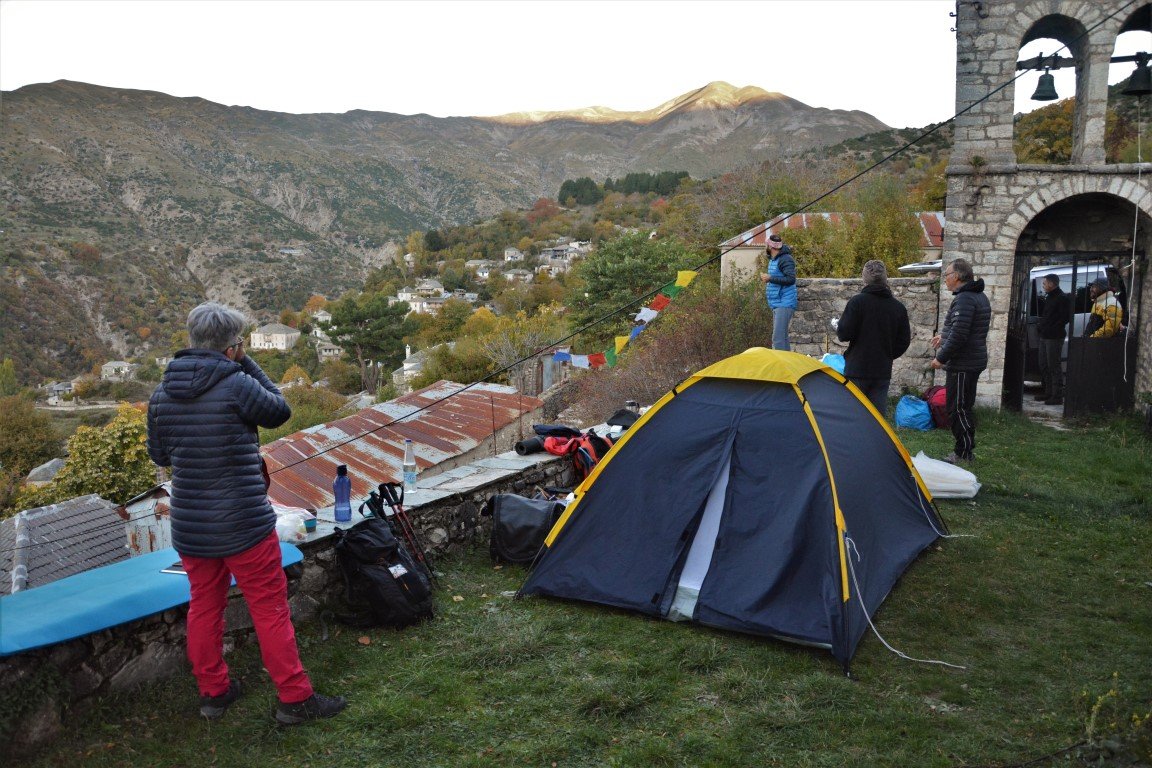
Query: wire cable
pixel 776 222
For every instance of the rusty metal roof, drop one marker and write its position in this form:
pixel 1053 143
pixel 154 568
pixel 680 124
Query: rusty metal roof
pixel 931 228
pixel 371 442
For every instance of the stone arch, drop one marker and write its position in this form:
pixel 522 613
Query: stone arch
pixel 1076 219
pixel 1045 196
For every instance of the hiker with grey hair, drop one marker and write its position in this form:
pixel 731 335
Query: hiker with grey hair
pixel 962 351
pixel 875 325
pixel 202 422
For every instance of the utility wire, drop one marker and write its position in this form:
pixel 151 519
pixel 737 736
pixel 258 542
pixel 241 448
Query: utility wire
pixel 603 318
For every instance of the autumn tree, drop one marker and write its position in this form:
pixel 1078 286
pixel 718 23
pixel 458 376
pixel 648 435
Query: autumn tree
pixel 315 303
pixel 515 338
pixel 1045 135
pixel 888 230
pixel 112 462
pixel 310 406
pixel 27 438
pixel 296 374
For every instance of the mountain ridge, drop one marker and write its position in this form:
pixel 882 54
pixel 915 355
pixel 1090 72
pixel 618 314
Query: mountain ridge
pixel 185 198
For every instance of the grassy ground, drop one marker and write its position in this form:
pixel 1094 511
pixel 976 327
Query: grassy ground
pixel 1048 607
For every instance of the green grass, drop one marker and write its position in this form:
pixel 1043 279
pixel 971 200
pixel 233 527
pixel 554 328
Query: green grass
pixel 1047 607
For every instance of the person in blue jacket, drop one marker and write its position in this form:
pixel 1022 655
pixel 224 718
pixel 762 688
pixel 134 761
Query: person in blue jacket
pixel 202 422
pixel 780 289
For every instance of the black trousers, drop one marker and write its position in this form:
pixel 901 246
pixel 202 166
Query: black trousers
pixel 1051 371
pixel 875 390
pixel 960 387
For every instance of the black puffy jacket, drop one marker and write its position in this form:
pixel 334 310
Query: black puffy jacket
pixel 202 422
pixel 964 337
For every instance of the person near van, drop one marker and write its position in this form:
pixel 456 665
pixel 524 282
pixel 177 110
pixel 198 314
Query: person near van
pixel 202 422
pixel 875 325
pixel 1051 327
pixel 780 289
pixel 1107 315
pixel 962 351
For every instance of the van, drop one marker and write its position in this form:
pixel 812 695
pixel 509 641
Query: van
pixel 1031 304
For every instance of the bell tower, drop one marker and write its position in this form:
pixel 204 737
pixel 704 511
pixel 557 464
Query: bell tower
pixel 1008 214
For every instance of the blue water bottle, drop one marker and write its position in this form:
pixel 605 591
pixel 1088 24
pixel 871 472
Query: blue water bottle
pixel 342 490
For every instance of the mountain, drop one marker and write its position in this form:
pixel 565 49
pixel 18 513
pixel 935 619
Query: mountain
pixel 122 208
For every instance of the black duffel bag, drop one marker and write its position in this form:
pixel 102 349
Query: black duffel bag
pixel 519 526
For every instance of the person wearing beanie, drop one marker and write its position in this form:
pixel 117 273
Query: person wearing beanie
pixel 1051 327
pixel 962 351
pixel 1107 315
pixel 780 289
pixel 875 325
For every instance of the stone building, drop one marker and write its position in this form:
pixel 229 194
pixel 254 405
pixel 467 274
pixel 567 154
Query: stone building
pixel 1007 217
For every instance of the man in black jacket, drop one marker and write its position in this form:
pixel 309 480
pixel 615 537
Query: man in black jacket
pixel 962 351
pixel 202 422
pixel 1052 325
pixel 875 325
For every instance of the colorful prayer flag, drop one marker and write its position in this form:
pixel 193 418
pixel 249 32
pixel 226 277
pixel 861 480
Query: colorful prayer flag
pixel 580 361
pixel 562 357
pixel 684 277
pixel 645 315
pixel 597 359
pixel 660 302
pixel 610 356
pixel 635 331
pixel 620 342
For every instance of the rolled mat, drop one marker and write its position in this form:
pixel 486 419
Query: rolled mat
pixel 531 445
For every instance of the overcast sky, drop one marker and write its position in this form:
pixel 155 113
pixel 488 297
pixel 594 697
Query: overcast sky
pixel 894 59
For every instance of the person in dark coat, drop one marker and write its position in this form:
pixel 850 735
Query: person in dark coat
pixel 875 325
pixel 1051 327
pixel 202 422
pixel 962 351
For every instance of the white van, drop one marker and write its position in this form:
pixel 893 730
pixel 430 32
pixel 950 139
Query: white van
pixel 1031 304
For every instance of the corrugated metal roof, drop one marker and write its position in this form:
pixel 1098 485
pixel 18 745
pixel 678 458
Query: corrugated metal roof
pixel 931 228
pixel 371 442
pixel 39 546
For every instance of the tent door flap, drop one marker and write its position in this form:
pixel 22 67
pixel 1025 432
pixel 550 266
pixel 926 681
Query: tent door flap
pixel 699 558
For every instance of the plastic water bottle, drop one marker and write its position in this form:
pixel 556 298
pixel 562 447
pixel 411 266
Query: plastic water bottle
pixel 342 490
pixel 409 467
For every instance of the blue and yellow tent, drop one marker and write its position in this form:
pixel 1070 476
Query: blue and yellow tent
pixel 764 494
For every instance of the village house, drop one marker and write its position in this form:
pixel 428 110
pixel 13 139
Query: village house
pixel 117 370
pixel 326 350
pixel 274 336
pixel 513 254
pixel 519 275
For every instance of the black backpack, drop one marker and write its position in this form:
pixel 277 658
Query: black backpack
pixel 384 584
pixel 519 526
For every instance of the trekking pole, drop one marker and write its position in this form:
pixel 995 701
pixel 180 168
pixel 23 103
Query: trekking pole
pixel 393 494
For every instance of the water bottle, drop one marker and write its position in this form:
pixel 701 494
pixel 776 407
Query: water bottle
pixel 409 467
pixel 342 490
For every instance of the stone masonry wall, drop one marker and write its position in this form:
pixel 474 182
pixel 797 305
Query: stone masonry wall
pixel 821 299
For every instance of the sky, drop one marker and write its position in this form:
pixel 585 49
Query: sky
pixel 485 57
pixel 894 59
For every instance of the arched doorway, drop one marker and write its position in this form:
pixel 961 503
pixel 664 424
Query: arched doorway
pixel 1080 238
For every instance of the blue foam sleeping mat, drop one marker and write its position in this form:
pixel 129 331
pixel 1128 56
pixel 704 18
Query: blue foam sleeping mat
pixel 97 599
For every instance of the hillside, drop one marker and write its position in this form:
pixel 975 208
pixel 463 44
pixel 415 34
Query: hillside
pixel 122 208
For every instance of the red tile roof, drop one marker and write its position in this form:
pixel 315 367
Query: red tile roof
pixel 371 442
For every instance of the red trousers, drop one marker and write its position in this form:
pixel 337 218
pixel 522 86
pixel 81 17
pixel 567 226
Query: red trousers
pixel 260 577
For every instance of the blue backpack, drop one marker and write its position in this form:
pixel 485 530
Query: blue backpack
pixel 913 413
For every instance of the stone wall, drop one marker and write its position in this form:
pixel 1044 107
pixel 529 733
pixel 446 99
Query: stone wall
pixel 819 300
pixel 44 689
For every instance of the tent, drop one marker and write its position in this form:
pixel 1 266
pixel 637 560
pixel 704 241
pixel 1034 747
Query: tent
pixel 764 495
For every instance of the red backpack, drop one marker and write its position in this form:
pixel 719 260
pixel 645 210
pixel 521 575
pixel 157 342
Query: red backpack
pixel 937 398
pixel 585 449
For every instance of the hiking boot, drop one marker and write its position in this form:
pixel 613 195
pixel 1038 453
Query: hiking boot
pixel 314 707
pixel 952 458
pixel 1054 401
pixel 212 707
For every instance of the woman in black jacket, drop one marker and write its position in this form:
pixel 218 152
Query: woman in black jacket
pixel 876 326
